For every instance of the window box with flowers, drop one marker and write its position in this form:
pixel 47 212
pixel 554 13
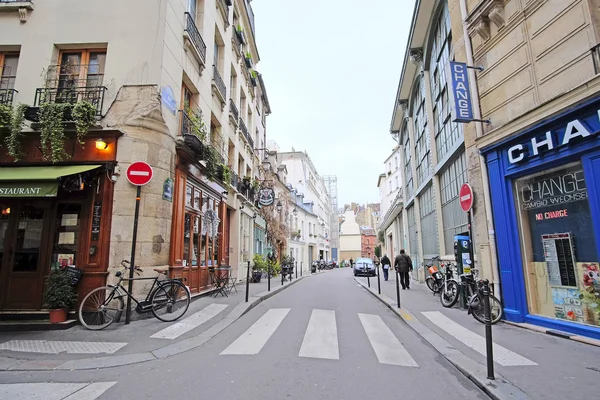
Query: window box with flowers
pixel 248 60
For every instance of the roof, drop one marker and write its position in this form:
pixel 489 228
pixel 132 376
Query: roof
pixel 367 231
pixel 264 94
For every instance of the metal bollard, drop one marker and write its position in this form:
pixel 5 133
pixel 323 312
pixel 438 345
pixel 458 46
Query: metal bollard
pixel 378 281
pixel 296 268
pixel 247 281
pixel 487 318
pixel 368 278
pixel 269 277
pixel 398 287
pixel 282 275
pixel 300 268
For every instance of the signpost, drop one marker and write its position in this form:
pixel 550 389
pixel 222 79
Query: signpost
pixel 465 197
pixel 138 174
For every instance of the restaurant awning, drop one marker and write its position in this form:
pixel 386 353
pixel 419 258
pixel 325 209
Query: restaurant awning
pixel 36 181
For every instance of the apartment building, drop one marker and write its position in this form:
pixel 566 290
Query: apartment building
pixel 432 161
pixel 533 167
pixel 170 83
pixel 350 235
pixel 309 186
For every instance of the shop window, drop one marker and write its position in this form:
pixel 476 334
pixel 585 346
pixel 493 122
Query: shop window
pixel 66 238
pixel 560 258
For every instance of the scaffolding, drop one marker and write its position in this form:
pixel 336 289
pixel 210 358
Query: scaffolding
pixel 331 188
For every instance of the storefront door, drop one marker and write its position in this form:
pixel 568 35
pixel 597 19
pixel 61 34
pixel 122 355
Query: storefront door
pixel 23 263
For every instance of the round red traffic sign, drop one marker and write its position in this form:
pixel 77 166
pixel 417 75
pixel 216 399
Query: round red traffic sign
pixel 139 173
pixel 466 197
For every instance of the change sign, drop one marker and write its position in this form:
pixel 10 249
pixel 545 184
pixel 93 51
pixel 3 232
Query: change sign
pixel 460 94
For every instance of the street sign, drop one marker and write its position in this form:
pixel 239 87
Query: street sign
pixel 139 173
pixel 466 197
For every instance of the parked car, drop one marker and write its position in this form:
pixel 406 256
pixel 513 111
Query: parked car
pixel 364 267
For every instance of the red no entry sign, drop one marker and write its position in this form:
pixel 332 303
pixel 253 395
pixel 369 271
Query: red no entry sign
pixel 466 197
pixel 139 173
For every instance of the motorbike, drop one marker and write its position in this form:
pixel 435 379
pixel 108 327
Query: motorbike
pixel 435 279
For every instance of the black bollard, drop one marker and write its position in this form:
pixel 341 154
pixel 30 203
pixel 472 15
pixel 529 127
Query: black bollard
pixel 300 268
pixel 247 281
pixel 282 275
pixel 296 268
pixel 398 287
pixel 378 281
pixel 487 318
pixel 368 277
pixel 269 277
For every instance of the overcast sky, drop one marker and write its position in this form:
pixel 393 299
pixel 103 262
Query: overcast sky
pixel 331 69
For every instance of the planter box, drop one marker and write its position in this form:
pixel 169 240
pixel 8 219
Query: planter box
pixel 240 35
pixel 253 81
pixel 256 277
pixel 32 114
pixel 194 143
pixel 229 2
pixel 58 315
pixel 248 62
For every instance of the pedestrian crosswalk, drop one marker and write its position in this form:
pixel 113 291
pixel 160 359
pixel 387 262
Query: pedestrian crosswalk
pixel 320 338
pixel 191 322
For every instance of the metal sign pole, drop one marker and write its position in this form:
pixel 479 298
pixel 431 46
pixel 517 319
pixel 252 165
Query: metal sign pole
pixel 133 243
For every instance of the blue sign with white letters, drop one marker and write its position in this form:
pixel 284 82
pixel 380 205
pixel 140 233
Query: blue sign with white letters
pixel 460 94
pixel 168 99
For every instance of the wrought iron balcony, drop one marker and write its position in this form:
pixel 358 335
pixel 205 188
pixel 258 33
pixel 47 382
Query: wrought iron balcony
pixel 71 95
pixel 219 83
pixel 7 96
pixel 235 180
pixel 192 34
pixel 234 111
pixel 246 134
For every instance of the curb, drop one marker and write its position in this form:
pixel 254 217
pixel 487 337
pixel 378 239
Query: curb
pixel 554 332
pixel 15 364
pixel 498 389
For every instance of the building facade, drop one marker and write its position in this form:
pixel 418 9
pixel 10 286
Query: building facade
pixel 180 93
pixel 390 182
pixel 368 242
pixel 433 163
pixel 538 156
pixel 350 237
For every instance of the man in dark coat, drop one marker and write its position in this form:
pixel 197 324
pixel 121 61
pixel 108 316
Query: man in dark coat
pixel 404 265
pixel 385 264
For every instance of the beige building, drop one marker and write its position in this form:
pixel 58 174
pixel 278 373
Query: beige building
pixel 173 84
pixel 350 237
pixel 531 161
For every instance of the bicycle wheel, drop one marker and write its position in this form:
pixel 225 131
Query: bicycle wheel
pixel 170 301
pixel 449 294
pixel 479 310
pixel 100 308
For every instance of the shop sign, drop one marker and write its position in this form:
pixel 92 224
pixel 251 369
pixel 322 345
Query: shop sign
pixel 552 214
pixel 29 189
pixel 168 190
pixel 266 196
pixel 575 130
pixel 460 94
pixel 566 186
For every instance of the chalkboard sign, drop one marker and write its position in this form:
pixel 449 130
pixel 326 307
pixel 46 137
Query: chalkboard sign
pixel 74 273
pixel 96 221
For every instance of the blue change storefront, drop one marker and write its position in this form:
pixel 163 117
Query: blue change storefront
pixel 545 189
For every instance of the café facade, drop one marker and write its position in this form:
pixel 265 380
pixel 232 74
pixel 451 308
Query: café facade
pixel 545 191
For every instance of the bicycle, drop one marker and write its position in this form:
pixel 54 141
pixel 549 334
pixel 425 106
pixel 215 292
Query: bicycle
pixel 104 305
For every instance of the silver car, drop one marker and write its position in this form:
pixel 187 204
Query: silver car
pixel 365 267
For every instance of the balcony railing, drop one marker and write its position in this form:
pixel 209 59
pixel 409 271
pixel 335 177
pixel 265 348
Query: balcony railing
pixel 234 111
pixel 71 95
pixel 195 37
pixel 7 96
pixel 219 82
pixel 235 180
pixel 245 132
pixel 187 125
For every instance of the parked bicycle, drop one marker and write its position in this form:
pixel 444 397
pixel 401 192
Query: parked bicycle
pixel 167 299
pixel 473 290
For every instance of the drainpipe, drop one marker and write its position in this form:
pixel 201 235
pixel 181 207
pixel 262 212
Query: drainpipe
pixel 482 163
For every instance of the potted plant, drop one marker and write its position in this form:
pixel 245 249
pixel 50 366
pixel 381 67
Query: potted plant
pixel 60 295
pixel 226 175
pixel 239 31
pixel 248 59
pixel 254 77
pixel 258 267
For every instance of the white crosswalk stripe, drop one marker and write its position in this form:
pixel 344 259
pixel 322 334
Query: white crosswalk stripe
pixel 502 355
pixel 253 340
pixel 191 322
pixel 55 347
pixel 386 345
pixel 54 391
pixel 321 339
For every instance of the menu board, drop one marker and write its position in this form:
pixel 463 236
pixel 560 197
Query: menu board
pixel 96 221
pixel 560 260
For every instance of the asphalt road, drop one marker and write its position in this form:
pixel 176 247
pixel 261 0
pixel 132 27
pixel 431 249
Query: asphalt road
pixel 324 338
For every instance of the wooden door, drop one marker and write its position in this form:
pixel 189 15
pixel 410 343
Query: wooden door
pixel 25 257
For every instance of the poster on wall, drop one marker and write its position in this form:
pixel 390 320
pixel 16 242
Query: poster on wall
pixel 559 258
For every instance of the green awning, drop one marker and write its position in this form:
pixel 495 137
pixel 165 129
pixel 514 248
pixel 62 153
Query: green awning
pixel 36 181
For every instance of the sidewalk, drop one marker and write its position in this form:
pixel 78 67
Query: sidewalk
pixel 141 340
pixel 541 365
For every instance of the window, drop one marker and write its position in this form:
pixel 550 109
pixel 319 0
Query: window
pixel 446 132
pixel 428 223
pixel 407 163
pixel 560 258
pixel 8 70
pixel 82 68
pixel 421 133
pixel 454 219
pixel 192 8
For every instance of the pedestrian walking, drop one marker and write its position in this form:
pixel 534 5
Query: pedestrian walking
pixel 385 264
pixel 351 262
pixel 404 265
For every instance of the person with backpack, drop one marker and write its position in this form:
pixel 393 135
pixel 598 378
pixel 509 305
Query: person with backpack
pixel 404 265
pixel 385 264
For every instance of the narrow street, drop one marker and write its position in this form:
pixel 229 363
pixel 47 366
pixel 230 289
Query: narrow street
pixel 323 338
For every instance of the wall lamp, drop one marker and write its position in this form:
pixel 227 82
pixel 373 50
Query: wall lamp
pixel 279 206
pixel 101 144
pixel 225 193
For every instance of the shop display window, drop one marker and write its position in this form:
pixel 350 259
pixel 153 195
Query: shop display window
pixel 66 237
pixel 558 245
